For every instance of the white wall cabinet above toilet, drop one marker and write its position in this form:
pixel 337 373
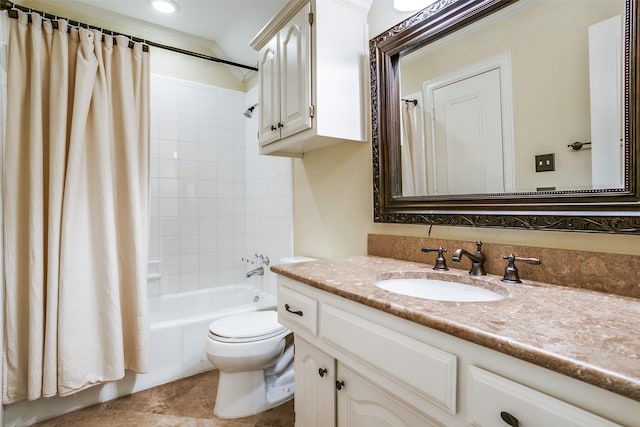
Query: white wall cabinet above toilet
pixel 311 78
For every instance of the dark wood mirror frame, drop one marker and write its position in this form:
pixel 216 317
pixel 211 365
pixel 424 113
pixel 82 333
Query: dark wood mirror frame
pixel 608 211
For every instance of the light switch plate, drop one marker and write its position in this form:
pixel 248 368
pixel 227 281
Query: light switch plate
pixel 545 162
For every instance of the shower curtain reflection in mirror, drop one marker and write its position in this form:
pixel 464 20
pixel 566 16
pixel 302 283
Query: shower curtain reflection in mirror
pixel 76 209
pixel 413 160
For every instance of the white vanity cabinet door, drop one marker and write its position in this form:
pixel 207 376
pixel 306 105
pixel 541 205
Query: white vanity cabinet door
pixel 361 403
pixel 493 400
pixel 315 386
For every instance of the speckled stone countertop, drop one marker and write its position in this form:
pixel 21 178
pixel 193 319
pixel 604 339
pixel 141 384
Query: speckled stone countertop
pixel 587 335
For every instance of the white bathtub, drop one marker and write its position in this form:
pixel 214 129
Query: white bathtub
pixel 180 323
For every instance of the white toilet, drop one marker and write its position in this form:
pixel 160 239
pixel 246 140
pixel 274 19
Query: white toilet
pixel 254 356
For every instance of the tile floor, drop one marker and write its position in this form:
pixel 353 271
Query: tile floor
pixel 187 402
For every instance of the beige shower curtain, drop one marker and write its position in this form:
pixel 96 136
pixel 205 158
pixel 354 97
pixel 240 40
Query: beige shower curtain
pixel 76 209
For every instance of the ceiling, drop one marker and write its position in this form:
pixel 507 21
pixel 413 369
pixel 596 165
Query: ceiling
pixel 229 24
pixel 220 28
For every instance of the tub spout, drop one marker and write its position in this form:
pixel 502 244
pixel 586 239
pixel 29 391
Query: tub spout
pixel 256 272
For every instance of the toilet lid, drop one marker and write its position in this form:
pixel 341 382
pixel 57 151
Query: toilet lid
pixel 257 324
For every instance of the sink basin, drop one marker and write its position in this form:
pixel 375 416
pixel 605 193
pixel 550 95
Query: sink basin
pixel 439 290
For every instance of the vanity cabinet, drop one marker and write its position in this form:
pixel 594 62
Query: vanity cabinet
pixel 311 76
pixel 355 365
pixel 330 393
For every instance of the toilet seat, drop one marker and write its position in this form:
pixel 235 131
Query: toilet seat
pixel 246 327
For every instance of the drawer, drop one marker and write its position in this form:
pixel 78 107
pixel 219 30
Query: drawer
pixel 427 371
pixel 491 397
pixel 297 311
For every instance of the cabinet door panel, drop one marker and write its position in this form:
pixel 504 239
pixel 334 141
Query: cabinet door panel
pixel 269 93
pixel 360 403
pixel 314 384
pixel 295 74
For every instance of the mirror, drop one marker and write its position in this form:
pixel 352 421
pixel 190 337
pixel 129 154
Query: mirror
pixel 508 114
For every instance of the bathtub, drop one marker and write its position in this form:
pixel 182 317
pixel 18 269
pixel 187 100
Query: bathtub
pixel 180 324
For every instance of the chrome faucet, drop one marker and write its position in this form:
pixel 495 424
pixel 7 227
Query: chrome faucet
pixel 256 272
pixel 477 259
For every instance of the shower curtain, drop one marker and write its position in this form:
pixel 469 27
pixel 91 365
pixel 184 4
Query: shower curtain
pixel 76 209
pixel 414 181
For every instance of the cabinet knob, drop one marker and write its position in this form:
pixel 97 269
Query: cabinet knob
pixel 280 125
pixel 322 371
pixel 509 419
pixel 339 385
pixel 273 127
pixel 296 312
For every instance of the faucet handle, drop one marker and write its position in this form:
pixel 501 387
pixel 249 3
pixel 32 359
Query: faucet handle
pixel 511 271
pixel 441 264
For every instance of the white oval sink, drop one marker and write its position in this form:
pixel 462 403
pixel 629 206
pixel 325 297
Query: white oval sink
pixel 439 290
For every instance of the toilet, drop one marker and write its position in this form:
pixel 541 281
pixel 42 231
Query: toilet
pixel 254 356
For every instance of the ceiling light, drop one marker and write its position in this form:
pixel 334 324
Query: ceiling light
pixel 164 6
pixel 410 5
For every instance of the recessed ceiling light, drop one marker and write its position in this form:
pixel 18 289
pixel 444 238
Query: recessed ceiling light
pixel 164 6
pixel 410 5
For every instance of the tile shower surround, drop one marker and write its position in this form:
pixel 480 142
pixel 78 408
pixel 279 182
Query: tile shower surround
pixel 199 194
pixel 610 273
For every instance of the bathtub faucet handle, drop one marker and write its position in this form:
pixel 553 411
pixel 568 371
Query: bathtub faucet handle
pixel 264 260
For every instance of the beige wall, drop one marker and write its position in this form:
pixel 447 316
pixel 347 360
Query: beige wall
pixel 333 210
pixel 185 67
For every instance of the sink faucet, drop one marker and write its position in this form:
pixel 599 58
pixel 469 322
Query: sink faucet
pixel 256 272
pixel 477 259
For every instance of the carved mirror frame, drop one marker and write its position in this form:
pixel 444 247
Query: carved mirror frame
pixel 608 211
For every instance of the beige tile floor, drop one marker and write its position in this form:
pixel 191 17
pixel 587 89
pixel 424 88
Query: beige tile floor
pixel 187 402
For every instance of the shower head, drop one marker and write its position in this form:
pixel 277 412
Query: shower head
pixel 249 111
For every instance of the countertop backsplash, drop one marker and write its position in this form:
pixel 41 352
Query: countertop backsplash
pixel 609 273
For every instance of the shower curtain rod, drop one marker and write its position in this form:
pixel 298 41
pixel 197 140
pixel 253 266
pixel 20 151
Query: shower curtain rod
pixel 8 5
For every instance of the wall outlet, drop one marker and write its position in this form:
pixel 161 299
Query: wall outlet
pixel 545 162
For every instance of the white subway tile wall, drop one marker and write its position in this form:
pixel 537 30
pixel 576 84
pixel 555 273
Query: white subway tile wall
pixel 269 199
pixel 214 200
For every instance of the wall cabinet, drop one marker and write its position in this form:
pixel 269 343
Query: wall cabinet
pixel 284 81
pixel 357 366
pixel 312 76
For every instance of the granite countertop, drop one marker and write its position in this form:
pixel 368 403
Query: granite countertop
pixel 587 335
